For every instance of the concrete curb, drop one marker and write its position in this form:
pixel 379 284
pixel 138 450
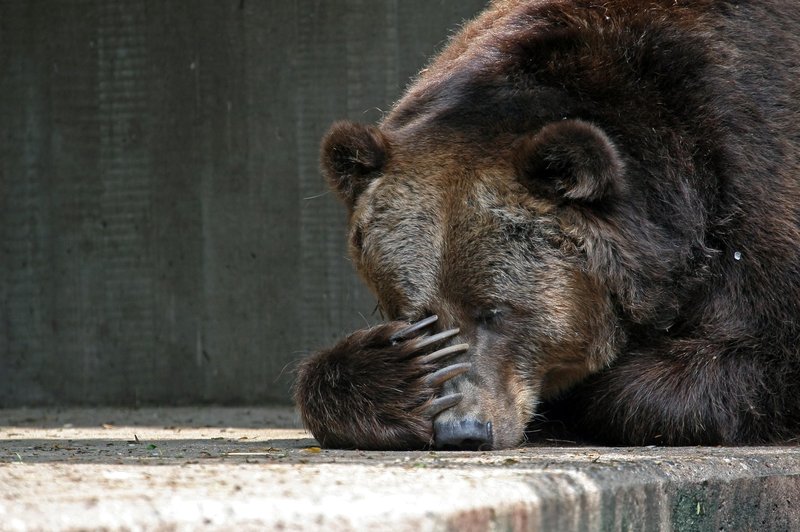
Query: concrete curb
pixel 184 469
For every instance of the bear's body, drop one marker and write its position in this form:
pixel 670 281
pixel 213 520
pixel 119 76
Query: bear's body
pixel 604 199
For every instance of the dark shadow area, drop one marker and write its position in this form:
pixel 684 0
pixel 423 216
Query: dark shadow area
pixel 158 451
pixel 255 417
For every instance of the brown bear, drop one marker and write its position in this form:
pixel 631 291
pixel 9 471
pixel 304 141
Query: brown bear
pixel 593 207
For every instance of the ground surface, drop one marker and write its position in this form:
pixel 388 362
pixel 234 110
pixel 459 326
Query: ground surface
pixel 217 468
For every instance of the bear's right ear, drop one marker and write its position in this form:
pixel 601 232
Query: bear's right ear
pixel 569 161
pixel 352 155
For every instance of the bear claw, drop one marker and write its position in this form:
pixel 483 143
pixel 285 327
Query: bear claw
pixel 437 378
pixel 414 327
pixel 425 341
pixel 442 353
pixel 441 404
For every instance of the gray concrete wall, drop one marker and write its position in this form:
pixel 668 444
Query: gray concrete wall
pixel 164 232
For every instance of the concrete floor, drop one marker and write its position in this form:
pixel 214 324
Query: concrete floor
pixel 254 468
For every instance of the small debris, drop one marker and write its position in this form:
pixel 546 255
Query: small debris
pixel 737 255
pixel 313 450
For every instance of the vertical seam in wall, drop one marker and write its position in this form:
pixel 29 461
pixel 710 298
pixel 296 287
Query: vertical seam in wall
pixel 125 163
pixel 24 226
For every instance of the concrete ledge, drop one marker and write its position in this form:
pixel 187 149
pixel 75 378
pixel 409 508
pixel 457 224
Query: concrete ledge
pixel 217 468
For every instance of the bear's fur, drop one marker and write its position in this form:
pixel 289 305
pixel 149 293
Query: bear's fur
pixel 603 197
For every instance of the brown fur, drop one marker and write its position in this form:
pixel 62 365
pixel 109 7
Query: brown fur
pixel 605 198
pixel 365 368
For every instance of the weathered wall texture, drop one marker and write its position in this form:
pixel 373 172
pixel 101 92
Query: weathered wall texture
pixel 164 232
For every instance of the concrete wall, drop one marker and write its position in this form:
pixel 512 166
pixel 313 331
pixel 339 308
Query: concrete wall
pixel 164 232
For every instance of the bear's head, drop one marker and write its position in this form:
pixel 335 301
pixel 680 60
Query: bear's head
pixel 494 245
pixel 530 189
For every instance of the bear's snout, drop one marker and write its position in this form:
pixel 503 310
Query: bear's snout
pixel 464 434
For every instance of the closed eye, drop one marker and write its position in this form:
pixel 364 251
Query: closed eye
pixel 490 316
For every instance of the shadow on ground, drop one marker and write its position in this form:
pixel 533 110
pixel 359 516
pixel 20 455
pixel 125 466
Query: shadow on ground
pixel 197 417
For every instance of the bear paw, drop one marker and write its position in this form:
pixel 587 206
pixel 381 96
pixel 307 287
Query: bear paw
pixel 378 388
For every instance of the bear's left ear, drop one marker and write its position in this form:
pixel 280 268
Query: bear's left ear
pixel 352 155
pixel 569 160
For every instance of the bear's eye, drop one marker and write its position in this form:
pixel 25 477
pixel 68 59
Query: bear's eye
pixel 489 316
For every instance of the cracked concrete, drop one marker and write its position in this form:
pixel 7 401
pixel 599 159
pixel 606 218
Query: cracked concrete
pixel 255 468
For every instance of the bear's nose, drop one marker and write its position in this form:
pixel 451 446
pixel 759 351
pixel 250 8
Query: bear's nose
pixel 462 435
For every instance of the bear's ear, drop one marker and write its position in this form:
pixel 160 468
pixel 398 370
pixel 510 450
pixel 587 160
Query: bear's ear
pixel 569 160
pixel 352 155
